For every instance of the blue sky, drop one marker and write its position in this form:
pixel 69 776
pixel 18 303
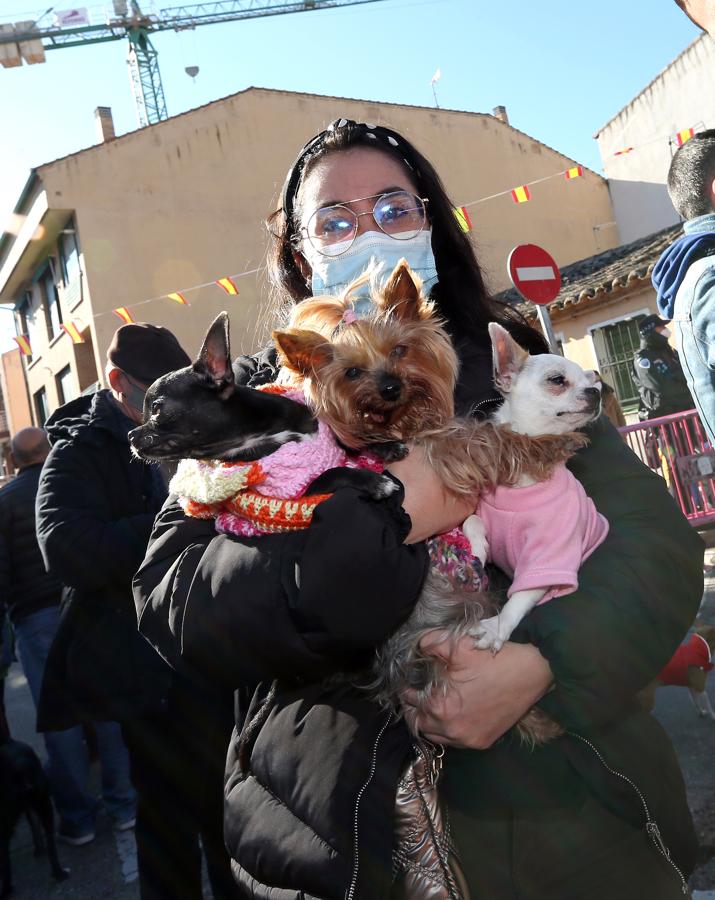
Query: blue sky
pixel 562 68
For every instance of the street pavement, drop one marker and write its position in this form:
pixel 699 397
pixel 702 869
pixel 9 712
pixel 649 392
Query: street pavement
pixel 106 868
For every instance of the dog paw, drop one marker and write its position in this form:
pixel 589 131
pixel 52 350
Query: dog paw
pixel 476 533
pixel 383 487
pixel 490 634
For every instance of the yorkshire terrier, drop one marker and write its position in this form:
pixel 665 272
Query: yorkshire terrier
pixel 388 379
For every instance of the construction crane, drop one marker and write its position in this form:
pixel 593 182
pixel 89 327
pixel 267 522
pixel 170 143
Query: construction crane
pixel 28 41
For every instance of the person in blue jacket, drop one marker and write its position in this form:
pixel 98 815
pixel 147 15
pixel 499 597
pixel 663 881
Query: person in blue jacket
pixel 684 276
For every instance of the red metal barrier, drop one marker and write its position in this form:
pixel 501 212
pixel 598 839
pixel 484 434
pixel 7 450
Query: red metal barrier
pixel 679 450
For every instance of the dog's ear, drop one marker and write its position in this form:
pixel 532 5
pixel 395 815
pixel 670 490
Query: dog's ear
pixel 402 293
pixel 507 356
pixel 214 359
pixel 303 352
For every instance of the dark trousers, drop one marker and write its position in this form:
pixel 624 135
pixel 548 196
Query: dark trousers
pixel 177 759
pixel 582 853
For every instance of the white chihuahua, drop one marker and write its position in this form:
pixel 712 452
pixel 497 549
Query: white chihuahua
pixel 539 533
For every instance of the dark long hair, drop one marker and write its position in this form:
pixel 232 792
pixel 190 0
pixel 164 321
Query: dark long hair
pixel 461 295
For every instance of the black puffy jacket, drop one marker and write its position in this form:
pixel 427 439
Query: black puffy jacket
pixel 317 766
pixel 95 509
pixel 25 584
pixel 659 378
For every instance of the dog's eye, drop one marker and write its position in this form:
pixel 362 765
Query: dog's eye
pixel 399 350
pixel 353 372
pixel 557 380
pixel 156 407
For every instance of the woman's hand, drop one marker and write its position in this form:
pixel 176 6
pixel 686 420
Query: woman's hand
pixel 430 507
pixel 486 693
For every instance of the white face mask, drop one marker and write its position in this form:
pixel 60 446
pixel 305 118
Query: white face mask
pixel 332 274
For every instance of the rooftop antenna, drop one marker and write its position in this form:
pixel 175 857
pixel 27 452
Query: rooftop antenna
pixel 435 78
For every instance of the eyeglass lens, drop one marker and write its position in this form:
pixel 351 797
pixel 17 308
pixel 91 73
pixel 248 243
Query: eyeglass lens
pixel 399 214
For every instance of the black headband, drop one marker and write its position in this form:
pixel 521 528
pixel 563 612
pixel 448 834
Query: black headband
pixel 371 133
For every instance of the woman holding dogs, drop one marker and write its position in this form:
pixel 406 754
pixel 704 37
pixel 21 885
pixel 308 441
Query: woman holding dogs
pixel 311 782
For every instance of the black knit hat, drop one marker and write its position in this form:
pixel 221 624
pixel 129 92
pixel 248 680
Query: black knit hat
pixel 146 352
pixel 650 323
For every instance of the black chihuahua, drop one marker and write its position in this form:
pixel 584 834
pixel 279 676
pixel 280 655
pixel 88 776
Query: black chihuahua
pixel 24 789
pixel 201 413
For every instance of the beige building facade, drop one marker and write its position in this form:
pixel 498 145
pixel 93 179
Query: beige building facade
pixel 182 203
pixel 682 96
pixel 15 411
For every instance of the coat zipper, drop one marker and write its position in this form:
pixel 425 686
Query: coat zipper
pixel 475 406
pixel 350 893
pixel 650 825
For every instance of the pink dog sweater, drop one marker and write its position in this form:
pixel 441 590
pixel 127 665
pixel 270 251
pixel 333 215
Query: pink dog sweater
pixel 245 498
pixel 540 534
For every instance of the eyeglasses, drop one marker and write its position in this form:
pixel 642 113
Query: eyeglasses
pixel 332 229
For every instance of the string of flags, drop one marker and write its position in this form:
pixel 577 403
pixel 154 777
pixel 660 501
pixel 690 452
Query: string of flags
pixel 680 137
pixel 519 194
pixel 74 329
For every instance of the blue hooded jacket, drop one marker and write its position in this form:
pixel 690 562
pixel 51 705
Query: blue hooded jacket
pixel 671 268
pixel 684 279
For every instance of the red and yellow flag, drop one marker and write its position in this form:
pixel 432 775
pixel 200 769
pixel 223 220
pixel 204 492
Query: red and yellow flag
pixel 124 315
pixel 227 284
pixel 574 172
pixel 462 216
pixel 71 329
pixel 23 343
pixel 521 194
pixel 684 136
pixel 623 151
pixel 178 297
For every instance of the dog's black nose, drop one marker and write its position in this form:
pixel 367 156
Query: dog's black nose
pixel 390 387
pixel 139 438
pixel 592 393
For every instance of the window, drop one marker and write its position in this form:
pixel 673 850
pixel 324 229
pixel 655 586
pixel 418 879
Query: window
pixel 70 255
pixel 42 410
pixel 615 348
pixel 21 320
pixel 32 319
pixel 52 305
pixel 65 385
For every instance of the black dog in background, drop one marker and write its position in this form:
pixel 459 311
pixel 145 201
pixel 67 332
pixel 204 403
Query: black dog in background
pixel 24 789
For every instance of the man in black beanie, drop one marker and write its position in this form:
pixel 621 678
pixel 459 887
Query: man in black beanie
pixel 96 505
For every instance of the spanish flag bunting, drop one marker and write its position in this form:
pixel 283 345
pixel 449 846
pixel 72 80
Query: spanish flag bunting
pixel 74 332
pixel 23 343
pixel 178 297
pixel 574 172
pixel 124 315
pixel 227 284
pixel 683 136
pixel 462 216
pixel 521 194
pixel 623 151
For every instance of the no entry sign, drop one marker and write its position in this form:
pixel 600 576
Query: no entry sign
pixel 534 273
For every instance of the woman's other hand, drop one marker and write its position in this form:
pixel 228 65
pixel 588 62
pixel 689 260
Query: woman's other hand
pixel 486 694
pixel 432 509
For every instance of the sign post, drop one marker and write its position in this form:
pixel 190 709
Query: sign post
pixel 535 275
